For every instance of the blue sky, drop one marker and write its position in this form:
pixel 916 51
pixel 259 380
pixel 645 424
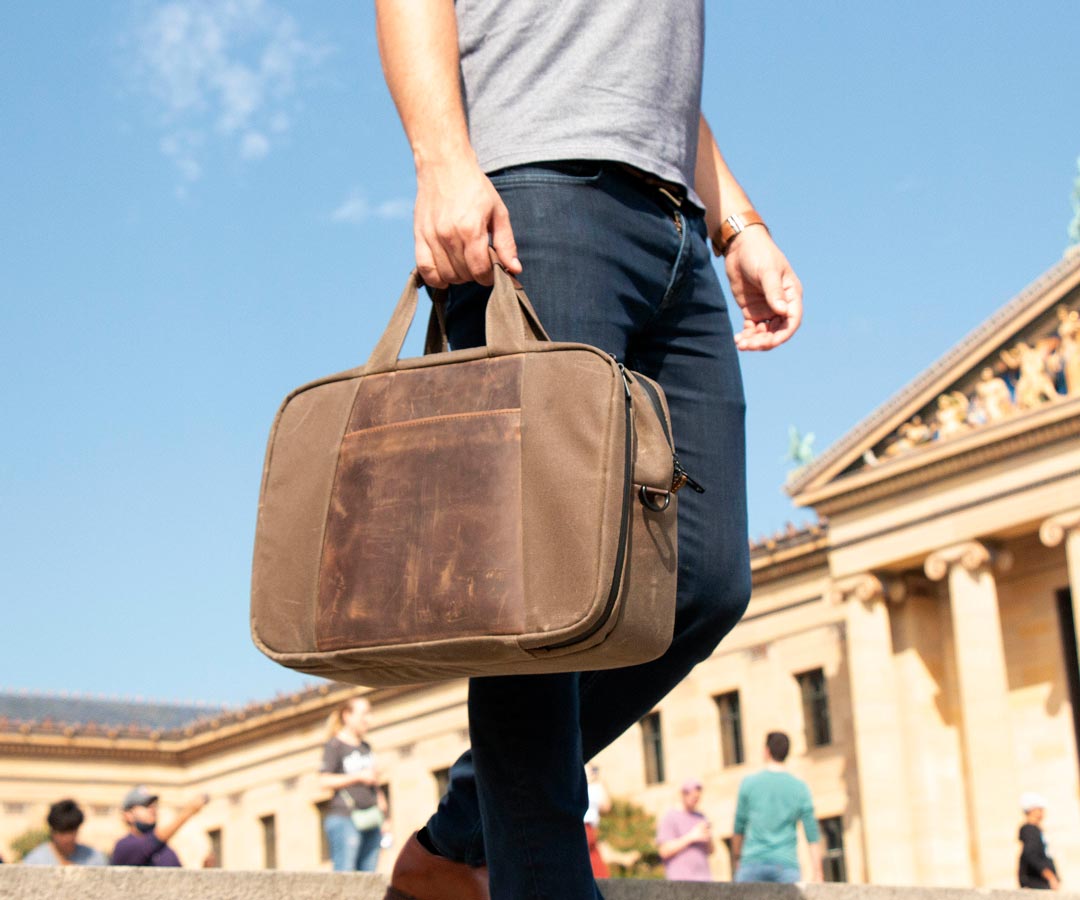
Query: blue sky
pixel 204 204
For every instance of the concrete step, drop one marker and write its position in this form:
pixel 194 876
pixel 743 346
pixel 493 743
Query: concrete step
pixel 117 883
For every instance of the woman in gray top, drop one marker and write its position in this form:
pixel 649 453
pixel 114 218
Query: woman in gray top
pixel 349 770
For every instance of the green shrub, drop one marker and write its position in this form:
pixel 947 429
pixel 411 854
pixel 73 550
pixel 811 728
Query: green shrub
pixel 28 840
pixel 629 829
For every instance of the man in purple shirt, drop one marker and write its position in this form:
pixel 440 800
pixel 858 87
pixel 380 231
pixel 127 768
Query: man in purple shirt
pixel 147 842
pixel 685 838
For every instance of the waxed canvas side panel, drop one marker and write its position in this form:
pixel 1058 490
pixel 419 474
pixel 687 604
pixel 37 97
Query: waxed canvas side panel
pixel 297 479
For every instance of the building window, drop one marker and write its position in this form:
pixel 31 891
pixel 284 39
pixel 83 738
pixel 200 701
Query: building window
pixel 815 704
pixel 731 744
pixel 442 781
pixel 832 836
pixel 269 830
pixel 653 742
pixel 214 838
pixel 324 842
pixel 14 808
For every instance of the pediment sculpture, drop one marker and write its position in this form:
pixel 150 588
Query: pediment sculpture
pixel 1035 371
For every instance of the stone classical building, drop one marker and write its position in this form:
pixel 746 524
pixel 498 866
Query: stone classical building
pixel 919 644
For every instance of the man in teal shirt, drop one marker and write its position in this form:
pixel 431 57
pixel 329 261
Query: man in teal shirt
pixel 771 802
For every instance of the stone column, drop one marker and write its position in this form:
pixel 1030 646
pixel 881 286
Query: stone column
pixel 1066 527
pixel 989 759
pixel 884 803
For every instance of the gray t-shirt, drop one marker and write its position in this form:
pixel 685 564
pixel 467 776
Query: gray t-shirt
pixel 584 79
pixel 341 758
pixel 45 855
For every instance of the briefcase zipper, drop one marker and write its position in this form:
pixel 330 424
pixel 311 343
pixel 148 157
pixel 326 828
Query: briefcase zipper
pixel 624 525
pixel 680 478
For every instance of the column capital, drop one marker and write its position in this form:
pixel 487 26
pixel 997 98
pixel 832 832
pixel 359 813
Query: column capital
pixel 971 555
pixel 1052 532
pixel 867 587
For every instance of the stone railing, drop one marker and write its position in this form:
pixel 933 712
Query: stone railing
pixel 32 883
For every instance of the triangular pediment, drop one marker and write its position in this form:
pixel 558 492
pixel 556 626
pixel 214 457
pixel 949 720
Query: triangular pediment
pixel 1019 367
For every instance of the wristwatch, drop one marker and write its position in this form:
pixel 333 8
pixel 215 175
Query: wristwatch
pixel 732 227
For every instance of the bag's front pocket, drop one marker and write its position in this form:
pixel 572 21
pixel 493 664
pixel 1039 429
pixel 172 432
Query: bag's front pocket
pixel 423 537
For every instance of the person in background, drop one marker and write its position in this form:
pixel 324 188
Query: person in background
pixel 685 838
pixel 63 847
pixel 147 843
pixel 599 805
pixel 771 803
pixel 1037 868
pixel 356 816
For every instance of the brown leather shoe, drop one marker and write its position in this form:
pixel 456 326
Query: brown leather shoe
pixel 420 875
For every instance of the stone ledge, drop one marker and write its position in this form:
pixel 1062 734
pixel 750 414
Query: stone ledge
pixel 118 883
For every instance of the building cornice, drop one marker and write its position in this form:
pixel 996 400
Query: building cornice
pixel 1040 428
pixel 773 560
pixel 181 747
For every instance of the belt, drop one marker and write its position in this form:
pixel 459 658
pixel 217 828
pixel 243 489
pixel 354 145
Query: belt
pixel 676 193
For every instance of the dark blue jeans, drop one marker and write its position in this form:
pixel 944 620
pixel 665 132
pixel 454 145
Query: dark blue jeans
pixel 610 261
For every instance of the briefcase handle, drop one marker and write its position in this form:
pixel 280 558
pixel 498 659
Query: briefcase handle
pixel 510 322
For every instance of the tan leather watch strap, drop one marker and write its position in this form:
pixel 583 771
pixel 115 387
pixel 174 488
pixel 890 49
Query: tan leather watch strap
pixel 733 226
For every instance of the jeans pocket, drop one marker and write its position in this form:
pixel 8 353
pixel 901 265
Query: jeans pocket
pixel 568 171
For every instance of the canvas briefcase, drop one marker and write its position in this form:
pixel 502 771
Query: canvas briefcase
pixel 505 509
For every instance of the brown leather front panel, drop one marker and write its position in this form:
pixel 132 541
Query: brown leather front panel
pixel 412 394
pixel 423 539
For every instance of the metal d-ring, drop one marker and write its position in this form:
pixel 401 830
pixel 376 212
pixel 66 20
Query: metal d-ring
pixel 647 500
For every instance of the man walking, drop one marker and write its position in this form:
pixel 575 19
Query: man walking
pixel 771 803
pixel 685 839
pixel 569 137
pixel 63 847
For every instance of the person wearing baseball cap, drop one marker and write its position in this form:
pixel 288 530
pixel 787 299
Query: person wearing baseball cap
pixel 147 843
pixel 684 838
pixel 1036 866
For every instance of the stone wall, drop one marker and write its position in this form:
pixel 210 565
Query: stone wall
pixel 32 883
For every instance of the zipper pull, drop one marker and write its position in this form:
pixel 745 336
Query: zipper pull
pixel 682 479
pixel 625 380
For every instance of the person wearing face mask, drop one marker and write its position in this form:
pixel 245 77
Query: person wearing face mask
pixel 147 843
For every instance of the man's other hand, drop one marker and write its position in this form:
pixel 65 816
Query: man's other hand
pixel 766 289
pixel 458 213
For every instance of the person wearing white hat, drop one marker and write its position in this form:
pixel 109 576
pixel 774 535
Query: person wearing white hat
pixel 1036 866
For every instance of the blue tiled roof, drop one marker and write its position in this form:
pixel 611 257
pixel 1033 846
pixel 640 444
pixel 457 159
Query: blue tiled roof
pixel 76 710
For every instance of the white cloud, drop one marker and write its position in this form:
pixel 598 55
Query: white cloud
pixel 356 208
pixel 220 72
pixel 254 145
